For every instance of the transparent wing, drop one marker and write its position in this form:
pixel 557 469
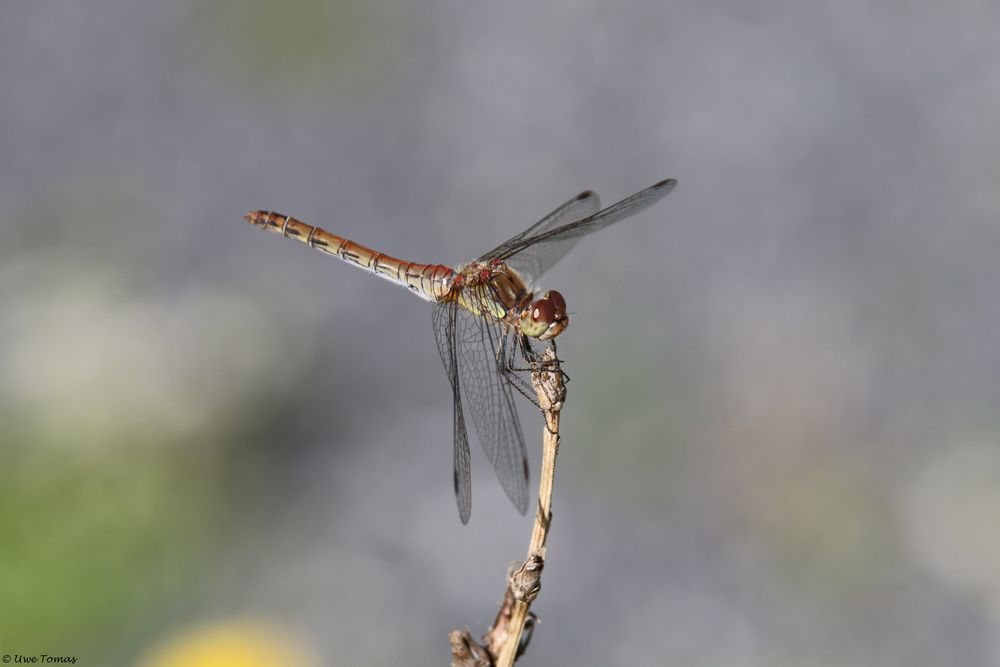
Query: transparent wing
pixel 581 206
pixel 468 345
pixel 531 254
pixel 444 322
pixel 487 393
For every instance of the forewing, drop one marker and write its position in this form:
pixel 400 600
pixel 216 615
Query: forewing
pixel 488 397
pixel 533 254
pixel 581 206
pixel 444 322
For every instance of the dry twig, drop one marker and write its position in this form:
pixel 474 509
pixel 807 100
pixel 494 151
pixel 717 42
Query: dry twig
pixel 503 642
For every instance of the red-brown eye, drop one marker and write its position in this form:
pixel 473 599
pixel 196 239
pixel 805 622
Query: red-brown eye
pixel 558 302
pixel 542 311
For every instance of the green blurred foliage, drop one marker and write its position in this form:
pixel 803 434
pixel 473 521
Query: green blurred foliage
pixel 304 48
pixel 88 539
pixel 133 423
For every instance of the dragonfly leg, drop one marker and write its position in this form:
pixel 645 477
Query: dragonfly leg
pixel 536 364
pixel 558 362
pixel 540 364
pixel 506 364
pixel 536 361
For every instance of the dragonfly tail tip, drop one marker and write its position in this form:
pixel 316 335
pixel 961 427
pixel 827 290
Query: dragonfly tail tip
pixel 256 217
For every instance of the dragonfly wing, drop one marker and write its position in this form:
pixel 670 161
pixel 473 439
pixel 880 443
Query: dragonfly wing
pixel 487 395
pixel 581 206
pixel 444 322
pixel 534 254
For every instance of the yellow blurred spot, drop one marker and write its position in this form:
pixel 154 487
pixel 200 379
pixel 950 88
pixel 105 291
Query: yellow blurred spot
pixel 240 643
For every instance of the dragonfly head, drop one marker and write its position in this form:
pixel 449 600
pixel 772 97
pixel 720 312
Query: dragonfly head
pixel 546 317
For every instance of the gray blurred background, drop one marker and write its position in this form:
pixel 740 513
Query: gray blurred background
pixel 781 440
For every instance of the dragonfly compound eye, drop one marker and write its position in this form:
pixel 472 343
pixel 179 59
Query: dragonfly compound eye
pixel 546 317
pixel 558 302
pixel 543 312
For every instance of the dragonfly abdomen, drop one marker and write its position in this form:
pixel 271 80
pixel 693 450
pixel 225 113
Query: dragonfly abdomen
pixel 429 281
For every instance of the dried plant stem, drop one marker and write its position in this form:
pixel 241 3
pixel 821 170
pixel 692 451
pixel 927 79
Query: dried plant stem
pixel 503 640
pixel 550 449
pixel 536 548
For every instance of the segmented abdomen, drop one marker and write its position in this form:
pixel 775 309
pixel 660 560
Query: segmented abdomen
pixel 430 281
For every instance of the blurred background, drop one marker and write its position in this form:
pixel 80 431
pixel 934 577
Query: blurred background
pixel 781 441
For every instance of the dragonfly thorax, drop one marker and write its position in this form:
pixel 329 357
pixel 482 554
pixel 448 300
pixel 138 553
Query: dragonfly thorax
pixel 494 289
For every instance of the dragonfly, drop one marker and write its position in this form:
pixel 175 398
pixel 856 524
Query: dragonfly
pixel 486 314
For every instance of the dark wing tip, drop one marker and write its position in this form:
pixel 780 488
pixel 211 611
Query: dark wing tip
pixel 586 194
pixel 522 506
pixel 464 499
pixel 667 184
